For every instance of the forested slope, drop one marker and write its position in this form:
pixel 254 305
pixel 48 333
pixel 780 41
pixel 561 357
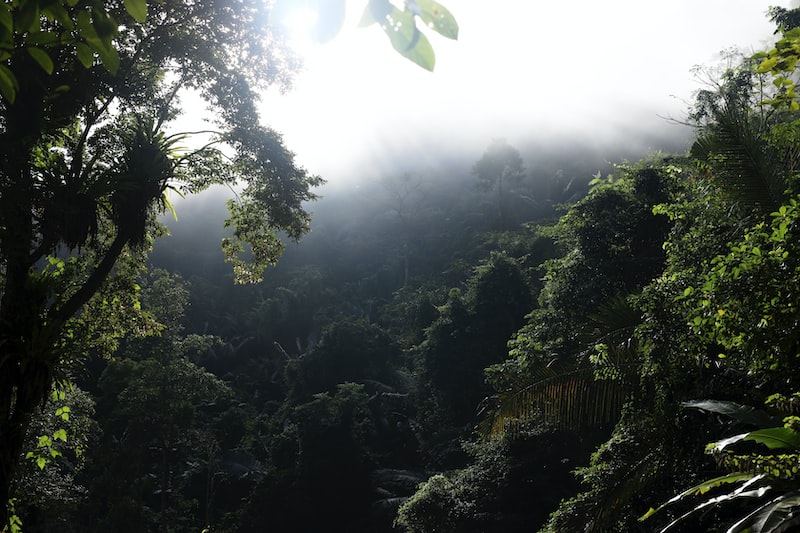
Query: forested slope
pixel 480 349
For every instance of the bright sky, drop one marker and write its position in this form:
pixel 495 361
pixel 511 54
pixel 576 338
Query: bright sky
pixel 520 69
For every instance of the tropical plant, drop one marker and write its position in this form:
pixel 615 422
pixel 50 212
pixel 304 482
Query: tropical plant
pixel 89 89
pixel 760 491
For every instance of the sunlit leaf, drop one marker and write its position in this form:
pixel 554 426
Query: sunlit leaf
pixel 137 9
pixel 56 12
pixel 42 58
pixel 718 446
pixel 739 492
pixel 438 18
pixel 8 84
pixel 745 414
pixel 774 438
pixel 84 54
pixel 769 516
pixel 699 490
pixel 408 40
pixel 376 11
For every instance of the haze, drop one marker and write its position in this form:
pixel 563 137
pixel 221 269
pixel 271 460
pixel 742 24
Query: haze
pixel 536 73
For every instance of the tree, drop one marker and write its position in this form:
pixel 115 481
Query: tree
pixel 89 89
pixel 501 164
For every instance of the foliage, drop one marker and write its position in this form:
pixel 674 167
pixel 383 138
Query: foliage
pixel 401 27
pixel 49 487
pixel 759 491
pixel 471 333
pixel 86 162
pixel 156 409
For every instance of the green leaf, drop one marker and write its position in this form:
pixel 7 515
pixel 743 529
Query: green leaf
pixel 701 489
pixel 774 438
pixel 408 40
pixel 42 37
pixel 438 18
pixel 28 17
pixel 770 516
pixel 84 54
pixel 6 20
pixel 41 462
pixel 105 26
pixel 767 65
pixel 110 59
pixel 741 413
pixel 137 9
pixel 8 84
pixel 56 12
pixel 720 445
pixel 60 434
pixel 42 58
pixel 376 11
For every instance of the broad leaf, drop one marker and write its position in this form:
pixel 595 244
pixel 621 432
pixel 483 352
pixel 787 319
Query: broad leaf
pixel 8 84
pixel 720 445
pixel 742 413
pixel 438 18
pixel 55 12
pixel 84 54
pixel 6 20
pixel 42 58
pixel 700 489
pixel 376 11
pixel 408 40
pixel 137 9
pixel 740 492
pixel 769 516
pixel 775 438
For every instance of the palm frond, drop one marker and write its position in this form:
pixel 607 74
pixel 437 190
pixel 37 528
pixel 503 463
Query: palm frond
pixel 748 170
pixel 579 389
pixel 565 396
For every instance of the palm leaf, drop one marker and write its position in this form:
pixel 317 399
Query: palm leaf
pixel 745 414
pixel 562 395
pixel 771 516
pixel 569 392
pixel 748 170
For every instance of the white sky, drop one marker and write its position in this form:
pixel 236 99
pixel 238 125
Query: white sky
pixel 520 69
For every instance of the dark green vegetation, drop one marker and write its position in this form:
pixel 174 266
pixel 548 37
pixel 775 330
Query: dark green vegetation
pixel 453 352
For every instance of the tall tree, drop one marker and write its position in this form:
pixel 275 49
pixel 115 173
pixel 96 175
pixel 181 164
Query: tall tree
pixel 500 165
pixel 88 88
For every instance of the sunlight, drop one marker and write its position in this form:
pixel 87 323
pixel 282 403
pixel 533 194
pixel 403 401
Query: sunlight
pixel 300 24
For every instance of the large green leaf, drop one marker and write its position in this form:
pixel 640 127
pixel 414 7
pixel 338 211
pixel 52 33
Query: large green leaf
pixel 701 489
pixel 438 18
pixel 407 39
pixel 376 11
pixel 739 492
pixel 720 445
pixel 768 517
pixel 42 58
pixel 6 20
pixel 102 45
pixel 84 54
pixel 8 84
pixel 776 438
pixel 137 9
pixel 745 414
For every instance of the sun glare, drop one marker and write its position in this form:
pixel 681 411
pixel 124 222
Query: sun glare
pixel 300 24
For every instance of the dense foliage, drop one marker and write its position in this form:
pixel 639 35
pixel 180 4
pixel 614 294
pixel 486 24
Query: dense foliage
pixel 503 356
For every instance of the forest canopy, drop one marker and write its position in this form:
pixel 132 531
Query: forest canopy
pixel 527 343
